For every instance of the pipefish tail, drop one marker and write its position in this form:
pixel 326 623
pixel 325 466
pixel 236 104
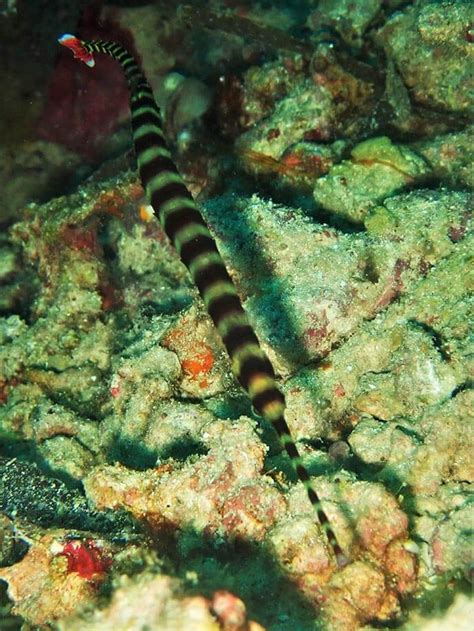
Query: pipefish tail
pixel 183 223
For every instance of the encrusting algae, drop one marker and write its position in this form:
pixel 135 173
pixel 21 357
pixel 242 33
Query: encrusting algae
pixel 139 485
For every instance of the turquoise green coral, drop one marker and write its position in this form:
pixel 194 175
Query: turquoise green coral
pixel 183 223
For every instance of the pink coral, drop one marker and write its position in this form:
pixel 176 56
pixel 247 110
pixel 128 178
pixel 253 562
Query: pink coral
pixel 86 558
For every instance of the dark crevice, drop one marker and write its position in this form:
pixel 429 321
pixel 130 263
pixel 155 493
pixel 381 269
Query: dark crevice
pixel 463 387
pixel 439 343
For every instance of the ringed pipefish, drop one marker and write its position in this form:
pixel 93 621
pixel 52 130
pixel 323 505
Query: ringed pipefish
pixel 183 223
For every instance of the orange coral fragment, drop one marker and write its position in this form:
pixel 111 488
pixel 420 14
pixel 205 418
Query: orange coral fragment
pixel 292 164
pixel 200 364
pixel 146 212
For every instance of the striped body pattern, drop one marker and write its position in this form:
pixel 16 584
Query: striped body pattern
pixel 183 223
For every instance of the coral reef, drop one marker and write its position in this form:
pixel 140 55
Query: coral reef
pixel 207 475
pixel 377 169
pixel 438 34
pixel 331 152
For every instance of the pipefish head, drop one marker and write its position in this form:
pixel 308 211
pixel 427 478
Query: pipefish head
pixel 78 48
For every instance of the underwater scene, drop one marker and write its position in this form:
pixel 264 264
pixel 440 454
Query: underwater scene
pixel 235 305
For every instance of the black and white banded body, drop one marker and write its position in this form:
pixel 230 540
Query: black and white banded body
pixel 183 223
